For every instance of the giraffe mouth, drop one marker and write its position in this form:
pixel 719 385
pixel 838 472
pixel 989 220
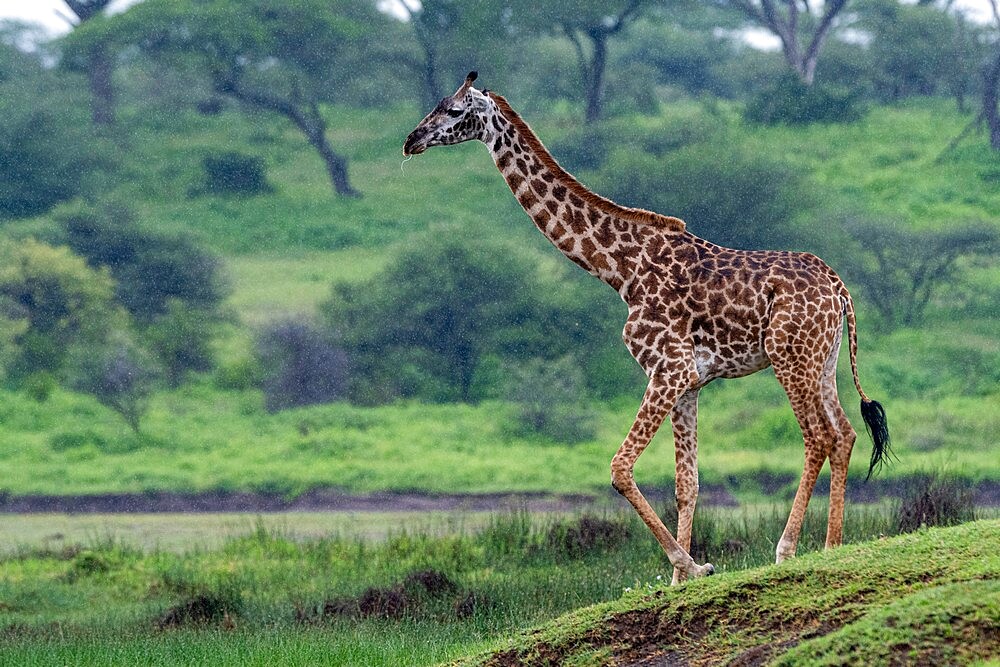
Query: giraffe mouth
pixel 413 147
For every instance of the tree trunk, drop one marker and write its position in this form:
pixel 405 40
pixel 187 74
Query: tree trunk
pixel 336 165
pixel 102 93
pixel 595 84
pixel 991 81
pixel 432 90
pixel 306 116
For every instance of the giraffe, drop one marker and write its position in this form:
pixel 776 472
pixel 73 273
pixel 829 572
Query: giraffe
pixel 696 312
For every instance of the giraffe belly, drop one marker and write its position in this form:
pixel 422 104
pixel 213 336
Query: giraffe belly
pixel 713 364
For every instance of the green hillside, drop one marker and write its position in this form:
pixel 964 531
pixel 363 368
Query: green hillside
pixel 926 598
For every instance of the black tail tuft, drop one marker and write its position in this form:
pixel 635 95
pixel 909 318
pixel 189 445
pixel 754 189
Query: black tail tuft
pixel 878 428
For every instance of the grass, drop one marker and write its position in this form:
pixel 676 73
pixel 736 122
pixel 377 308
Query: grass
pixel 272 596
pixel 183 532
pixel 201 438
pixel 928 598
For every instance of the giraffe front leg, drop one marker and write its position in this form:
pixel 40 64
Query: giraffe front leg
pixel 684 419
pixel 658 401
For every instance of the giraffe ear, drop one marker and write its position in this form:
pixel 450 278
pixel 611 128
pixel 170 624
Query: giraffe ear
pixel 460 93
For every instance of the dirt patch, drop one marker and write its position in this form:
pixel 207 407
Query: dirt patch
pixel 421 594
pixel 202 609
pixel 315 500
pixel 985 493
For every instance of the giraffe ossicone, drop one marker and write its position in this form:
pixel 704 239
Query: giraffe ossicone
pixel 696 312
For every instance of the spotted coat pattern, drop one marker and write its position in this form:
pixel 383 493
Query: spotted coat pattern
pixel 696 312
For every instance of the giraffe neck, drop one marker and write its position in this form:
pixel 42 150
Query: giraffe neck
pixel 595 233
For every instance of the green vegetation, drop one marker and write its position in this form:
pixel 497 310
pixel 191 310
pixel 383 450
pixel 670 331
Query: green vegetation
pixel 187 305
pixel 417 599
pixel 925 597
pixel 213 431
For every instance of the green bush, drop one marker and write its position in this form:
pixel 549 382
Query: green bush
pixel 727 194
pixel 791 102
pixel 550 400
pixel 234 173
pixel 151 267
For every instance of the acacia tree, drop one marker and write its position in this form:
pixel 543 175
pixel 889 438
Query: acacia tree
pixel 991 83
pixel 451 37
pixel 900 270
pixel 802 31
pixel 96 59
pixel 590 27
pixel 273 57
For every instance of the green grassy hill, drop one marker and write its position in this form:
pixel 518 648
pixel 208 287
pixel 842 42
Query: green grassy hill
pixel 926 598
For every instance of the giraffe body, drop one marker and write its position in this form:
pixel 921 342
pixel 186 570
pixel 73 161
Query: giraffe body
pixel 696 312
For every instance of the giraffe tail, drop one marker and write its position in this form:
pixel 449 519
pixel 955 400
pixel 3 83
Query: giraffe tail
pixel 872 412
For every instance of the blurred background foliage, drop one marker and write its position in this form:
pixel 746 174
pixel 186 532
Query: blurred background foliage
pixel 206 194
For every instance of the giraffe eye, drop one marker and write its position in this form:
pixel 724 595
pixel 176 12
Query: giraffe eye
pixel 455 113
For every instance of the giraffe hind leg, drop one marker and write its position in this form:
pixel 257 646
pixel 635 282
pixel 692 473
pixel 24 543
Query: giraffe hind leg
pixel 818 436
pixel 684 419
pixel 840 454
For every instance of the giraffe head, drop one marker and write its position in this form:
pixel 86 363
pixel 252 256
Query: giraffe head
pixel 456 118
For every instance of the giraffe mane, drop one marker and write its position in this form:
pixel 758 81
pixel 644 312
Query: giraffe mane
pixel 637 215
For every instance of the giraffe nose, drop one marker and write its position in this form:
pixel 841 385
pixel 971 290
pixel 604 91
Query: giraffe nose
pixel 412 146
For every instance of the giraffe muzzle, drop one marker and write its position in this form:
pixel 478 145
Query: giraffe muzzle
pixel 413 145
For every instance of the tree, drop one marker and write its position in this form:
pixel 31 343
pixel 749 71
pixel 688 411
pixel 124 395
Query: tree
pixel 151 268
pixel 119 374
pixel 55 303
pixel 268 56
pixel 431 314
pixel 801 31
pixel 901 270
pixel 173 288
pixel 991 84
pixel 916 50
pixel 48 153
pixel 449 34
pixel 589 27
pixel 96 60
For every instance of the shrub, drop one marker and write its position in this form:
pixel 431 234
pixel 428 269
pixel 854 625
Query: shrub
pixel 727 194
pixel 234 173
pixel 550 400
pixel 301 366
pixel 151 268
pixel 587 535
pixel 791 102
pixel 119 375
pixel 934 500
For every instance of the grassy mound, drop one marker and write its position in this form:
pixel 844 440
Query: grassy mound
pixel 931 597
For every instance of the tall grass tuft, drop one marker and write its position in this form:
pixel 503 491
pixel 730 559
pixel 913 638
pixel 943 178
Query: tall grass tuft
pixel 931 499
